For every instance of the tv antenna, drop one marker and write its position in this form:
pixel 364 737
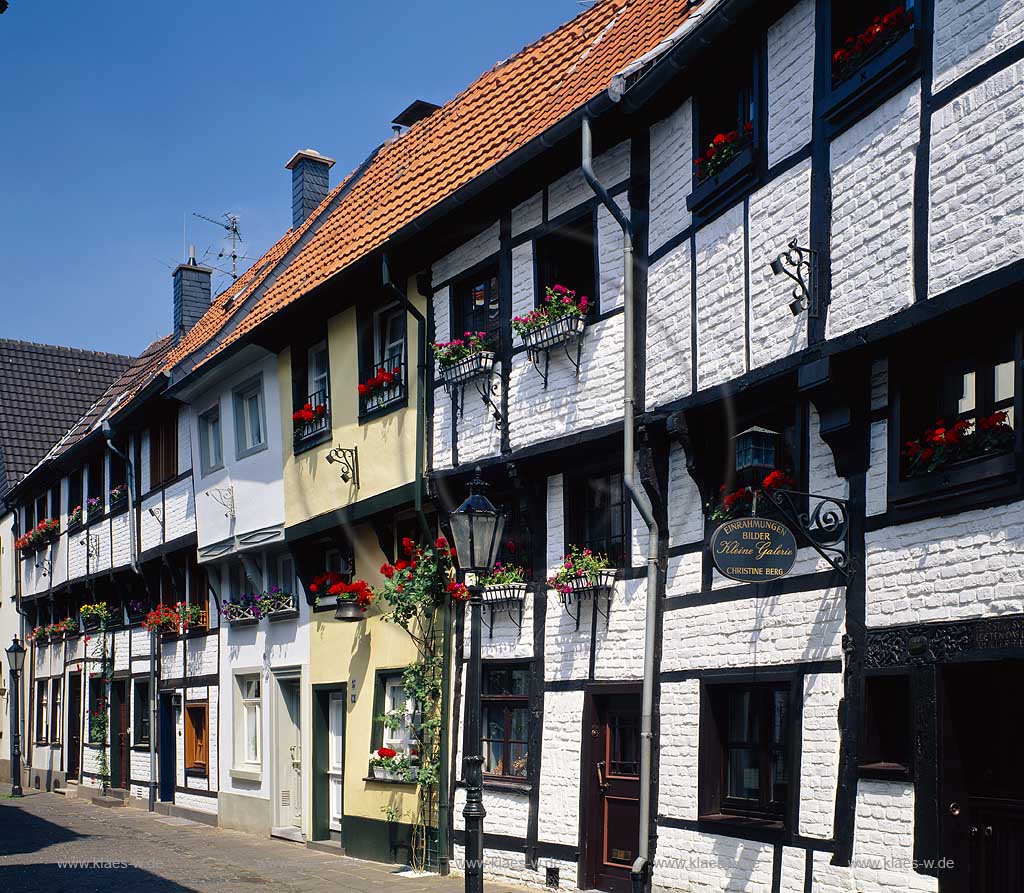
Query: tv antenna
pixel 230 225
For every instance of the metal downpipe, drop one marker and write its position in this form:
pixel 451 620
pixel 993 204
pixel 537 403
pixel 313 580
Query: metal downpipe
pixel 108 436
pixel 639 498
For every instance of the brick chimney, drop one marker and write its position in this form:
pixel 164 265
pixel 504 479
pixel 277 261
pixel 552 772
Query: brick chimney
pixel 191 294
pixel 310 179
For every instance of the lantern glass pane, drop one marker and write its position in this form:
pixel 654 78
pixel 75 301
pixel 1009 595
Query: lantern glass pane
pixel 460 533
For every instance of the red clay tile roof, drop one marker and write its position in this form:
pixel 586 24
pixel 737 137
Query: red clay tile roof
pixel 499 113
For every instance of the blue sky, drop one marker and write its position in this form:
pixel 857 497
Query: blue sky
pixel 122 118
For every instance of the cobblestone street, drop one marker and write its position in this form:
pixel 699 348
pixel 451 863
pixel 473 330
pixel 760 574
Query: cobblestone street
pixel 50 843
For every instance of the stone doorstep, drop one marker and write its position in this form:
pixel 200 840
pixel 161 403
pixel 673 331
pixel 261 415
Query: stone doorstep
pixel 108 802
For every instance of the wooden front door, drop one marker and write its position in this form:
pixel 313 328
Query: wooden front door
pixel 612 780
pixel 981 786
pixel 74 737
pixel 119 734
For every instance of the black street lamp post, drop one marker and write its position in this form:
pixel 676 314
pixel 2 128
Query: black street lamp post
pixel 477 527
pixel 16 661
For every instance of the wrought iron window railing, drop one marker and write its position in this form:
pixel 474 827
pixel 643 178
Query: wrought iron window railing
pixel 320 406
pixel 386 386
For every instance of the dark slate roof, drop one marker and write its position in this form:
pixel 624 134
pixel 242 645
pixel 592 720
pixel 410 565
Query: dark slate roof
pixel 44 390
pixel 142 370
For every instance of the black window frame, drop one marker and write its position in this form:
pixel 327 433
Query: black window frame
pixel 743 173
pixel 880 76
pixel 368 318
pixel 95 694
pixel 140 713
pixel 545 264
pixel 974 482
pixel 886 750
pixel 96 479
pixel 76 495
pixel 507 702
pixel 319 431
pixel 163 448
pixel 582 488
pixel 714 802
pixel 42 711
pixel 55 705
pixel 463 289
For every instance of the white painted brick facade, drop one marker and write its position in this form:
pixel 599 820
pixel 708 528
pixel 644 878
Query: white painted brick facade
pixel 571 190
pixel 671 175
pixel 790 74
pixel 977 210
pixel 947 568
pixel 528 214
pixel 778 212
pixel 872 214
pixel 558 820
pixel 669 353
pixel 467 255
pixel 967 34
pixel 819 765
pixel 721 300
pixel 679 751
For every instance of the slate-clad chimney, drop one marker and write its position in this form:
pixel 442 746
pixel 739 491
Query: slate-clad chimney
pixel 191 294
pixel 310 177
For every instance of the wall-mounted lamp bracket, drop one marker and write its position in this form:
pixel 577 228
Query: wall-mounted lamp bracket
pixel 800 265
pixel 347 460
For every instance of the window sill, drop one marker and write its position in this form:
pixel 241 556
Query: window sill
pixel 195 773
pixel 884 772
pixel 391 781
pixel 874 82
pixel 388 408
pixel 959 487
pixel 246 774
pixel 302 445
pixel 738 823
pixel 278 616
pixel 141 747
pixel 726 187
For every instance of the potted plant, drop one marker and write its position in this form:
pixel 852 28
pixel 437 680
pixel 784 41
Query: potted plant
pixel 94 616
pixel 277 603
pixel 66 627
pixel 134 612
pixel 118 497
pixel 722 149
pixel 164 619
pixel 40 535
pixel 380 382
pixel 308 418
pixel 556 321
pixel 389 765
pixel 942 445
pixel 507 582
pixel 740 502
pixel 582 569
pixel 39 634
pixel 464 358
pixel 75 518
pixel 94 507
pixel 353 599
pixel 857 49
pixel 192 616
pixel 243 611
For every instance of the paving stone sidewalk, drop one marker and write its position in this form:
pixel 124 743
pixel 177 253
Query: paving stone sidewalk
pixel 52 844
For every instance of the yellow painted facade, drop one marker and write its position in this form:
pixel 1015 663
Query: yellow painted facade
pixel 350 654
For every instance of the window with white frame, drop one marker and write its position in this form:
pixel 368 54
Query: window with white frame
pixel 282 573
pixel 248 727
pixel 211 455
pixel 250 419
pixel 318 371
pixel 42 717
pixel 396 714
pixel 55 694
pixel 389 331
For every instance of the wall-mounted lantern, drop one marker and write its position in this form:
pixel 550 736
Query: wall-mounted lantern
pixel 800 265
pixel 757 454
pixel 347 461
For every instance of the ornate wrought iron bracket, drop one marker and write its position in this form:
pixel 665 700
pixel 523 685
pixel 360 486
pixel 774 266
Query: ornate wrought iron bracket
pixel 514 609
pixel 92 545
pixel 487 388
pixel 800 265
pixel 534 353
pixel 826 527
pixel 347 460
pixel 224 496
pixel 45 566
pixel 581 595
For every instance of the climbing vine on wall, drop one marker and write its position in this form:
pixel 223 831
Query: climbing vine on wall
pixel 99 716
pixel 416 588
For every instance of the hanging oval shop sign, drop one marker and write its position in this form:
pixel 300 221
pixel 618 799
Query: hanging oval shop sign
pixel 753 550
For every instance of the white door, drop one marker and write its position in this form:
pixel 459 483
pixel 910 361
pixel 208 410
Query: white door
pixel 336 751
pixel 288 799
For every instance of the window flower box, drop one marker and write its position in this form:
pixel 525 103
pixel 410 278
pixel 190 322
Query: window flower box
pixel 582 573
pixel 504 584
pixel 857 49
pixel 553 333
pixel 312 418
pixel 40 536
pixel 863 78
pixel 244 612
pixel 464 358
pixel 192 617
pixel 40 635
pixel 352 599
pixel 94 508
pixel 723 184
pixel 94 616
pixel 387 764
pixel 557 320
pixel 384 389
pixel 280 605
pixel 75 518
pixel 164 619
pixel 118 498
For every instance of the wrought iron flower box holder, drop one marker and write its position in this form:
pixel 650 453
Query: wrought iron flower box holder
pixel 284 606
pixel 240 615
pixel 558 333
pixel 508 597
pixel 601 583
pixel 478 369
